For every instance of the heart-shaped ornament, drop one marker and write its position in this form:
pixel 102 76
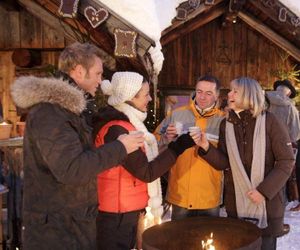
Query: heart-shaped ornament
pixel 295 21
pixel 95 17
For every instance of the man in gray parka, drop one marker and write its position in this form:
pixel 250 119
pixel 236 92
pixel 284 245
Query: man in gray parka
pixel 282 106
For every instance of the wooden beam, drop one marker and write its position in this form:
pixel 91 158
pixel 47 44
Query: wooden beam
pixel 54 22
pixel 125 22
pixel 10 5
pixel 201 9
pixel 236 5
pixel 270 34
pixel 272 13
pixel 80 25
pixel 193 24
pixel 40 13
pixel 143 42
pixel 100 37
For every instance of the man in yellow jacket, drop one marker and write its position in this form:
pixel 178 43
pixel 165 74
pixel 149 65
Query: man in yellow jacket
pixel 195 187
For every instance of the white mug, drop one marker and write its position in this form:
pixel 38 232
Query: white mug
pixel 179 127
pixel 194 130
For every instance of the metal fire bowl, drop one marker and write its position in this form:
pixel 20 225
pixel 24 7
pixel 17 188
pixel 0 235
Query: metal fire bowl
pixel 187 234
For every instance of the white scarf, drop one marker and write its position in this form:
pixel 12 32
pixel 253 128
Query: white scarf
pixel 137 119
pixel 242 184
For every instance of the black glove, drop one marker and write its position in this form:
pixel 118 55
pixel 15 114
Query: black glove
pixel 181 144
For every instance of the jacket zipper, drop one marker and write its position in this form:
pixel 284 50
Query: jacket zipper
pixel 119 194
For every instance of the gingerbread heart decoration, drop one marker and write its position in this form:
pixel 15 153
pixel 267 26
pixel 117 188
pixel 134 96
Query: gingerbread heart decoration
pixel 295 21
pixel 68 8
pixel 282 15
pixel 95 17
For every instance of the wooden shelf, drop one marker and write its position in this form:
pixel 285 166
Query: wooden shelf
pixel 12 142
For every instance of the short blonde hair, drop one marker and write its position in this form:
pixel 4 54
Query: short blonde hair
pixel 83 54
pixel 252 96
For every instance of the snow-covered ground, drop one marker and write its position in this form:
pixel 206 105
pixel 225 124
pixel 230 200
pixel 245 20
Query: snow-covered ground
pixel 290 241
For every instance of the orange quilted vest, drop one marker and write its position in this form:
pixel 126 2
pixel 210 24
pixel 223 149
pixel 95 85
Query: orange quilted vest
pixel 118 190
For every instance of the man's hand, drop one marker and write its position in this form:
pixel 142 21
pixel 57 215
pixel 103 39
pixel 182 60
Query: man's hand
pixel 255 196
pixel 171 132
pixel 132 141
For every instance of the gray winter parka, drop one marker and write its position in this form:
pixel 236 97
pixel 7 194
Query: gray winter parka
pixel 60 166
pixel 284 108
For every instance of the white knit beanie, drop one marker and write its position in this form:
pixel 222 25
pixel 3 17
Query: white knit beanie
pixel 123 87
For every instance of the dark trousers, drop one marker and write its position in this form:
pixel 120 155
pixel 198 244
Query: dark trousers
pixel 268 243
pixel 117 231
pixel 298 169
pixel 179 213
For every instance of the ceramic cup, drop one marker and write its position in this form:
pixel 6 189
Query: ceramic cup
pixel 179 127
pixel 135 132
pixel 194 130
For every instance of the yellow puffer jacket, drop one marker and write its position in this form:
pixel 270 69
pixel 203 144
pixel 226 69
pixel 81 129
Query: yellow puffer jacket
pixel 193 183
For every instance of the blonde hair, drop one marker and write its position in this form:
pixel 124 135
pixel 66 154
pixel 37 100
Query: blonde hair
pixel 78 54
pixel 251 95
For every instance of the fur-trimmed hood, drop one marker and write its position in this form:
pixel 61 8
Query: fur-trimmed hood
pixel 27 91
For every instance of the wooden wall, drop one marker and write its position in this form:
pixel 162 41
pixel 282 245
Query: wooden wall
pixel 227 53
pixel 19 29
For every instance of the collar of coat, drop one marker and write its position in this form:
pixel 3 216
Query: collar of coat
pixel 65 77
pixel 244 116
pixel 213 111
pixel 28 91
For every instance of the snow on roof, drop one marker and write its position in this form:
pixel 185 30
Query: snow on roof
pixel 293 5
pixel 153 16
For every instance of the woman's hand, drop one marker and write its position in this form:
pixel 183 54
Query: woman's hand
pixel 200 139
pixel 132 142
pixel 171 132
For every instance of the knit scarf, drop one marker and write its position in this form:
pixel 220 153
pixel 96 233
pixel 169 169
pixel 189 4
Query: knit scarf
pixel 137 119
pixel 245 207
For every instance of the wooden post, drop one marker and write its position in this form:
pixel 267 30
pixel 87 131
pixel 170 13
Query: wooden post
pixel 155 82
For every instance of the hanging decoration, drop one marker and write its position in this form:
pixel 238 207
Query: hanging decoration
pixel 152 119
pixel 194 3
pixel 95 17
pixel 68 8
pixel 295 21
pixel 181 14
pixel 209 2
pixel 186 8
pixel 125 43
pixel 268 3
pixel 282 14
pixel 223 53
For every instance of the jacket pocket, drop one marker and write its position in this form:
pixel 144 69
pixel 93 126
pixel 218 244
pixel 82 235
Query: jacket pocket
pixel 35 218
pixel 85 216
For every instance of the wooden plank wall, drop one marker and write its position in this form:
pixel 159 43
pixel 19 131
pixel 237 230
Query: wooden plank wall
pixel 19 29
pixel 227 53
pixel 8 72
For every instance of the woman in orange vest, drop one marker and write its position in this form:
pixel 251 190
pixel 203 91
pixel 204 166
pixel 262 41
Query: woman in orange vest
pixel 123 192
